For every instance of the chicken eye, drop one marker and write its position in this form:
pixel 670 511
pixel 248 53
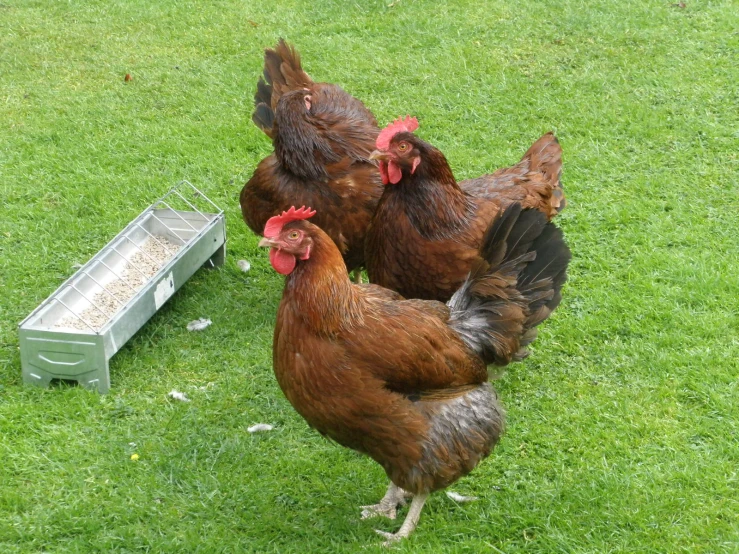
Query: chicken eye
pixel 293 235
pixel 403 146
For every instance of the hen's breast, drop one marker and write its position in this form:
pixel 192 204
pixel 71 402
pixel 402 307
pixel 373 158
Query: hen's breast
pixel 352 407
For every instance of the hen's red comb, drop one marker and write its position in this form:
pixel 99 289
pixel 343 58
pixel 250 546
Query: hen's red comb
pixel 274 224
pixel 400 125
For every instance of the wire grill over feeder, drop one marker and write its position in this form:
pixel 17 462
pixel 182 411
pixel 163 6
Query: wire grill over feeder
pixel 75 331
pixel 149 257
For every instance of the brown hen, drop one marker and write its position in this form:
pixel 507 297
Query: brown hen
pixel 427 230
pixel 322 138
pixel 405 381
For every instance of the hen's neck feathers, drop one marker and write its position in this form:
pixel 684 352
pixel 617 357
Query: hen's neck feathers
pixel 431 198
pixel 299 145
pixel 320 291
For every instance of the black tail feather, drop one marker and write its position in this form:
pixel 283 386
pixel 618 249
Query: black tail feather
pixel 264 91
pixel 282 72
pixel 549 269
pixel 514 286
pixel 264 118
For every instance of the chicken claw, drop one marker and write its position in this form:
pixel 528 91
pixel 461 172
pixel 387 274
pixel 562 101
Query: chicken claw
pixel 410 523
pixel 387 507
pixel 385 510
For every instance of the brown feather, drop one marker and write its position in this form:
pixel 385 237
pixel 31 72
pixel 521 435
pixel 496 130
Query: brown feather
pixel 426 232
pixel 534 182
pixel 430 238
pixel 384 376
pixel 321 155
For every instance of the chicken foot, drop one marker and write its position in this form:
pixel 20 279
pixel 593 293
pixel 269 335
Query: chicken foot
pixel 387 507
pixel 411 520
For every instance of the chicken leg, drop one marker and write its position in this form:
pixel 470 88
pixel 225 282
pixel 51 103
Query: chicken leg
pixel 394 497
pixel 411 520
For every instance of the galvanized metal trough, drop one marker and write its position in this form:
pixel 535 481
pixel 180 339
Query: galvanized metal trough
pixel 75 332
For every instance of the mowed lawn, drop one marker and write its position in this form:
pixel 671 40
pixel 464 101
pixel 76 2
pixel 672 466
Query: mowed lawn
pixel 622 425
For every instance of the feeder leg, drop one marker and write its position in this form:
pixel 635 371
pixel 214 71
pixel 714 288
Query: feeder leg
pixel 217 259
pixel 33 376
pixel 99 380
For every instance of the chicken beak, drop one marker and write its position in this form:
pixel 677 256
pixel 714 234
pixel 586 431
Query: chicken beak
pixel 379 155
pixel 268 243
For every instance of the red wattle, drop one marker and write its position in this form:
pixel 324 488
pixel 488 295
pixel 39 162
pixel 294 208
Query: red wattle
pixel 283 262
pixel 394 173
pixel 383 173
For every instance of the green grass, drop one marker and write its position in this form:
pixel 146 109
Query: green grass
pixel 622 426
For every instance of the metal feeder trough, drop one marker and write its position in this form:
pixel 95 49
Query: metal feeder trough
pixel 75 331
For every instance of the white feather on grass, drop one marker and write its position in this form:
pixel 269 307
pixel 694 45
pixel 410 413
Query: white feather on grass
pixel 460 498
pixel 177 395
pixel 260 427
pixel 199 324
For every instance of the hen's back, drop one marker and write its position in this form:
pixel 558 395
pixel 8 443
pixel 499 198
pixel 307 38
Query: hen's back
pixel 534 182
pixel 323 137
pixel 283 73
